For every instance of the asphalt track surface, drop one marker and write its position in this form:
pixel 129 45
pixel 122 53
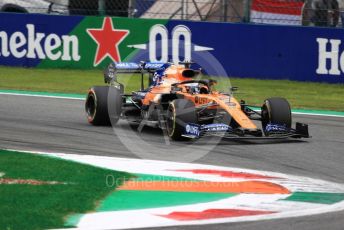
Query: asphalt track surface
pixel 59 125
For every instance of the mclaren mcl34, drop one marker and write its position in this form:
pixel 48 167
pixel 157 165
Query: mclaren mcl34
pixel 186 106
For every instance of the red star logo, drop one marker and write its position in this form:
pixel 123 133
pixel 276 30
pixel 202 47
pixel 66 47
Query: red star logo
pixel 107 39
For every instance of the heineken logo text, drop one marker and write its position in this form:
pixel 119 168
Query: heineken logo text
pixel 39 45
pixel 330 56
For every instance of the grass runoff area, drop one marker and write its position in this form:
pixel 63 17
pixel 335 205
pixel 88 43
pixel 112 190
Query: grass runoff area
pixel 301 95
pixel 31 198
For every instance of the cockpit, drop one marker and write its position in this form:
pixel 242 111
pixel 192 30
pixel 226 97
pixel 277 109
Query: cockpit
pixel 195 88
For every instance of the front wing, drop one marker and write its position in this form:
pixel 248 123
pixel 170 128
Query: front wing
pixel 272 131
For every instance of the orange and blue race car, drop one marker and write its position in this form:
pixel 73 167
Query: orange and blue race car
pixel 186 106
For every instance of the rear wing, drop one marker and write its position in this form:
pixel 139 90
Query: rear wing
pixel 143 66
pixel 131 67
pixel 110 73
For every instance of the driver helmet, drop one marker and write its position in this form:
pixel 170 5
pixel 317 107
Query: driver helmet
pixel 159 75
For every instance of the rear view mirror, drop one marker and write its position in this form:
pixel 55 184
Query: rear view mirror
pixel 233 89
pixel 110 74
pixel 212 82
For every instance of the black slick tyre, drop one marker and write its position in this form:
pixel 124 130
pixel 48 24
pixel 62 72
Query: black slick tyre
pixel 276 111
pixel 179 113
pixel 103 105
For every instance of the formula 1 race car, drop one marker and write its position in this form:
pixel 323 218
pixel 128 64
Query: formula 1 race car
pixel 186 106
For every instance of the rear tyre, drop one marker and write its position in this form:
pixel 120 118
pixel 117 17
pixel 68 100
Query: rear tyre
pixel 179 113
pixel 276 111
pixel 103 105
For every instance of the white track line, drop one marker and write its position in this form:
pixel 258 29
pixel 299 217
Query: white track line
pixel 45 96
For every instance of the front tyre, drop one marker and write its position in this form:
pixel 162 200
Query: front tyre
pixel 276 111
pixel 179 113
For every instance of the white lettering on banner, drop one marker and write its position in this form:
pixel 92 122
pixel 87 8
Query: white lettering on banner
pixel 34 43
pixel 181 31
pixel 4 44
pixel 68 43
pixel 17 41
pixel 180 34
pixel 39 45
pixel 154 32
pixel 331 54
pixel 51 43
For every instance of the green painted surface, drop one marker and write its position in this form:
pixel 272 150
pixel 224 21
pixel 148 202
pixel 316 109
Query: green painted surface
pixel 73 220
pixel 129 200
pixel 315 197
pixel 308 111
pixel 46 206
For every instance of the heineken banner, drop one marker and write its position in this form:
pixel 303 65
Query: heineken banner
pixel 256 51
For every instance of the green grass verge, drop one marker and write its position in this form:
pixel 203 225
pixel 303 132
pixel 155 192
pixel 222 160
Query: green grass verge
pixel 302 95
pixel 25 206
